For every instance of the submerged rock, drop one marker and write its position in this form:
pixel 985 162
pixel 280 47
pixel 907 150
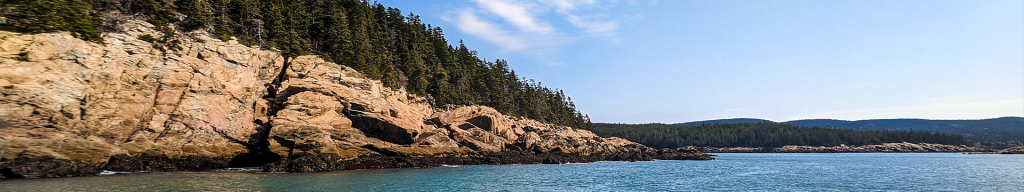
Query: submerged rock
pixel 73 108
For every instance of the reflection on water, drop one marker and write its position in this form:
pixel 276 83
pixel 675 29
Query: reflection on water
pixel 810 172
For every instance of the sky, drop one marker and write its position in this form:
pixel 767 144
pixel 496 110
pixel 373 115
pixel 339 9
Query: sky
pixel 683 60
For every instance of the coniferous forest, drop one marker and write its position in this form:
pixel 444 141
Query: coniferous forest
pixel 381 42
pixel 762 135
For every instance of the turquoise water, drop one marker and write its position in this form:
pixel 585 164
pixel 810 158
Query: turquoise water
pixel 731 172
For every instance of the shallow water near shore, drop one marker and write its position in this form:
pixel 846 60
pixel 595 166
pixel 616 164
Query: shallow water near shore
pixel 750 171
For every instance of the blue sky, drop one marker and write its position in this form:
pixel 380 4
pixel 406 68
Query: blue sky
pixel 676 60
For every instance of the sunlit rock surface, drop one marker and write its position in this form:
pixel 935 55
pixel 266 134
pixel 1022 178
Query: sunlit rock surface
pixel 74 108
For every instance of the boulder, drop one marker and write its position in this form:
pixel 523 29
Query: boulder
pixel 438 138
pixel 476 139
pixel 528 142
pixel 482 117
pixel 379 112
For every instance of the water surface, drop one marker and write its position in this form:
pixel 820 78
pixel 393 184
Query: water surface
pixel 785 172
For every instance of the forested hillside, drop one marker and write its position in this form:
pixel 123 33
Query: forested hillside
pixel 380 42
pixel 761 135
pixel 1000 132
pixel 997 133
pixel 1003 124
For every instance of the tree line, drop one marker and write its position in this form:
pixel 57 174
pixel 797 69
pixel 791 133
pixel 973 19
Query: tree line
pixel 380 42
pixel 762 135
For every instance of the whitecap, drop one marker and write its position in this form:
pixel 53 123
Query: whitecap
pixel 243 169
pixel 106 172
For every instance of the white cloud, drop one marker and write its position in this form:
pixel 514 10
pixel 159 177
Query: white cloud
pixel 566 5
pixel 592 26
pixel 526 26
pixel 517 14
pixel 469 23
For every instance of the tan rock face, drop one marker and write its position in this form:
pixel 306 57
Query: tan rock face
pixel 70 101
pixel 481 117
pixel 127 98
pixel 1014 150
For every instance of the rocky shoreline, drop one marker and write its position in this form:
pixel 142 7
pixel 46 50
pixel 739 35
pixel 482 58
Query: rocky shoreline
pixel 74 108
pixel 331 162
pixel 1014 150
pixel 50 168
pixel 883 148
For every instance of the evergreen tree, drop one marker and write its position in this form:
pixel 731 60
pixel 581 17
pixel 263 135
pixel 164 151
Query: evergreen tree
pixel 378 41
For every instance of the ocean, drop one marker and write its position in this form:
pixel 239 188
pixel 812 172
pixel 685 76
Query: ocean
pixel 731 172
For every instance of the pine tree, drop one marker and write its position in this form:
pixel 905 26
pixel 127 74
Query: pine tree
pixel 378 41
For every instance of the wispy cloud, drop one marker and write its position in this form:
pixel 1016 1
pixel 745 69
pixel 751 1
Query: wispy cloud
pixel 469 23
pixel 592 24
pixel 528 26
pixel 595 27
pixel 517 14
pixel 566 5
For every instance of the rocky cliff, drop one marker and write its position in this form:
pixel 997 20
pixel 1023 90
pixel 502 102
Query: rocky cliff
pixel 882 148
pixel 74 108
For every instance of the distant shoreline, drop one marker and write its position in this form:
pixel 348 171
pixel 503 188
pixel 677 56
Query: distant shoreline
pixel 882 148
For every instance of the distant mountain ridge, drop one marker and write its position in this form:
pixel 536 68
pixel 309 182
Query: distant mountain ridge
pixel 733 120
pixel 999 129
pixel 996 124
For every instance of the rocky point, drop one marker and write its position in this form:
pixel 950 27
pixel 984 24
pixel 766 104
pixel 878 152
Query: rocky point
pixel 74 108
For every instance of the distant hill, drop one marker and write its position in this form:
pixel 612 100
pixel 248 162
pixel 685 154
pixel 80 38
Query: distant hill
pixel 996 129
pixel 1002 124
pixel 765 134
pixel 724 121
